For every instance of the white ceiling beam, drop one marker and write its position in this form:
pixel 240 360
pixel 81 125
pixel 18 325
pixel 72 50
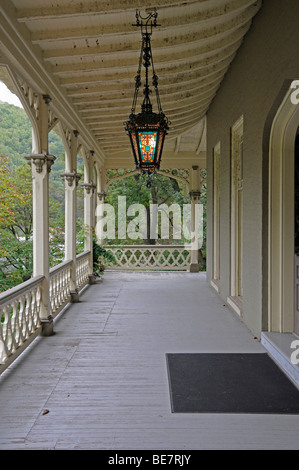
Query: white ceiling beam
pixel 71 9
pixel 172 73
pixel 193 23
pixel 93 92
pixel 200 10
pixel 196 47
pixel 120 63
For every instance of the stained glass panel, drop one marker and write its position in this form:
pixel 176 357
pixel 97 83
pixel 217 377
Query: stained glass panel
pixel 147 144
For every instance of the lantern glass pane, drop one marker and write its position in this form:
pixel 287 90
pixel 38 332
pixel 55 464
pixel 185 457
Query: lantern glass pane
pixel 147 144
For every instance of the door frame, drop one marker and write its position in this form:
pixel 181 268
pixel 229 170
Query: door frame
pixel 281 217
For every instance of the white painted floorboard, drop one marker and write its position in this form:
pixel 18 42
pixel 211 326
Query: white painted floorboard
pixel 103 375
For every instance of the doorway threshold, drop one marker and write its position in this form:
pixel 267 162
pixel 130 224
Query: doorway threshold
pixel 236 303
pixel 284 352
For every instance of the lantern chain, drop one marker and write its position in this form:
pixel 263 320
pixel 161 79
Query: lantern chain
pixel 146 24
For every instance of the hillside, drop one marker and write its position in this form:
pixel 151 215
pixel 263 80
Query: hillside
pixel 16 198
pixel 16 142
pixel 16 134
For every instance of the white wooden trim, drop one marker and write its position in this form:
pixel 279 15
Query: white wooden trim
pixel 281 218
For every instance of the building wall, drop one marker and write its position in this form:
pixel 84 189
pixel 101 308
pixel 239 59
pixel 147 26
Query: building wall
pixel 264 67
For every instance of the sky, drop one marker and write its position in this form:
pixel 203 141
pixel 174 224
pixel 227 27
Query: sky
pixel 8 97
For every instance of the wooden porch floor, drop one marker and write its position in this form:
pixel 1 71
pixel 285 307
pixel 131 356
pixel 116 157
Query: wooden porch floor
pixel 103 375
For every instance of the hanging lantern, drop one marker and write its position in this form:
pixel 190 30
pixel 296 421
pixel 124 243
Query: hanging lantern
pixel 147 130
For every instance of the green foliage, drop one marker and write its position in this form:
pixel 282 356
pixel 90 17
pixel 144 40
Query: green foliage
pixel 99 255
pixel 16 260
pixel 15 133
pixel 16 198
pixel 16 136
pixel 163 190
pixel 16 226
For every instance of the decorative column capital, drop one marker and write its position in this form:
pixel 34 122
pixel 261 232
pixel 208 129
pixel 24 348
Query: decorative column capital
pixel 195 195
pixel 89 187
pixel 101 196
pixel 71 177
pixel 47 99
pixel 39 160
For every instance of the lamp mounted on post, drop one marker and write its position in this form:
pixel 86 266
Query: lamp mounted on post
pixel 147 130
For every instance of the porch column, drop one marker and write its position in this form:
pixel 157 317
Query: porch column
pixel 71 179
pixel 100 201
pixel 40 168
pixel 194 197
pixel 71 182
pixel 100 212
pixel 41 163
pixel 89 209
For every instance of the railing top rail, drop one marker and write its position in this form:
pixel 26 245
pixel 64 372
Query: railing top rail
pixel 8 295
pixel 82 255
pixel 147 246
pixel 60 267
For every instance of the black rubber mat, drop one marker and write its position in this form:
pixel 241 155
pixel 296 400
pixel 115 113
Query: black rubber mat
pixel 229 383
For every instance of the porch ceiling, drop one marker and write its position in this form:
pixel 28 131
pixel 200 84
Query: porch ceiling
pixel 90 50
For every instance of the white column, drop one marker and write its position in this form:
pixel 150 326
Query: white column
pixel 100 201
pixel 89 190
pixel 194 196
pixel 71 179
pixel 40 167
pixel 88 214
pixel 100 213
pixel 41 163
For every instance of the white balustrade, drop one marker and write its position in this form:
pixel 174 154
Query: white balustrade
pixel 20 306
pixel 19 318
pixel 149 257
pixel 82 269
pixel 60 277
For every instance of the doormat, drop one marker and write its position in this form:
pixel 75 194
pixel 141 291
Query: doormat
pixel 229 383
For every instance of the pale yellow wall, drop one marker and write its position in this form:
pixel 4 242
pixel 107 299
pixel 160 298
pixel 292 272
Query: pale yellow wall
pixel 266 63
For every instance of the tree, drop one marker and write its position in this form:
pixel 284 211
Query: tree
pixel 7 194
pixel 16 198
pixel 163 190
pixel 16 226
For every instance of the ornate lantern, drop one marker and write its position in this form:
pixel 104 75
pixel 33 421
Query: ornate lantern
pixel 147 129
